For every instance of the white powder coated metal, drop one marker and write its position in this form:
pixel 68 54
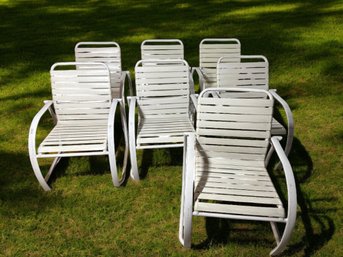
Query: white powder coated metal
pixel 163 101
pixel 252 71
pixel 225 173
pixel 84 111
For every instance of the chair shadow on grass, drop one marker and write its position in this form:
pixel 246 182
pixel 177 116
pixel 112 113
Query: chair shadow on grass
pixel 146 163
pixel 94 165
pixel 59 171
pixel 20 193
pixel 312 240
pixel 318 227
pixel 157 157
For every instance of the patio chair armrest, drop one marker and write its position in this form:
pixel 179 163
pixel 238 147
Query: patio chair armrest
pixel 200 75
pixel 291 194
pixel 126 75
pixel 35 122
pixel 194 100
pixel 290 120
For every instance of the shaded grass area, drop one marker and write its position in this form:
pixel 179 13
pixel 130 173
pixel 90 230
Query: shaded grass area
pixel 85 215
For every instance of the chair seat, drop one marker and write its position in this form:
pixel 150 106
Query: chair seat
pixel 163 131
pixel 277 128
pixel 75 137
pixel 236 190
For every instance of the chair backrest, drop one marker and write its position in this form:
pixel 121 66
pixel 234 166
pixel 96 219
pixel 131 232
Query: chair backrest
pixel 250 72
pixel 233 128
pixel 161 49
pixel 105 52
pixel 162 89
pixel 211 49
pixel 81 95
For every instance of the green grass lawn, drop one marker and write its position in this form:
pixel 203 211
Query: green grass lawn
pixel 84 215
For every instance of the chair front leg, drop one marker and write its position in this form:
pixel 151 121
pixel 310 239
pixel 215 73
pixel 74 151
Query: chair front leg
pixel 32 148
pixel 126 136
pixel 132 138
pixel 111 143
pixel 186 210
pixel 292 198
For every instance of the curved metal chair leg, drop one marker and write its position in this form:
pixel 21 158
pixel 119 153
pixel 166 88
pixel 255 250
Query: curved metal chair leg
pixel 286 236
pixel 186 212
pixel 38 173
pixel 187 229
pixel 132 140
pixel 52 167
pixel 35 164
pixel 292 199
pixel 275 232
pixel 32 147
pixel 120 181
pixel 113 165
pixel 185 226
pixel 117 181
pixel 111 145
pixel 126 151
pixel 133 158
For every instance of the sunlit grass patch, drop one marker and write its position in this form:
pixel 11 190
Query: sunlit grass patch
pixel 84 215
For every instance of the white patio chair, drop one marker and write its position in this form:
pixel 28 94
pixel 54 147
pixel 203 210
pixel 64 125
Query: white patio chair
pixel 109 53
pixel 210 50
pixel 225 165
pixel 253 72
pixel 163 101
pixel 84 112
